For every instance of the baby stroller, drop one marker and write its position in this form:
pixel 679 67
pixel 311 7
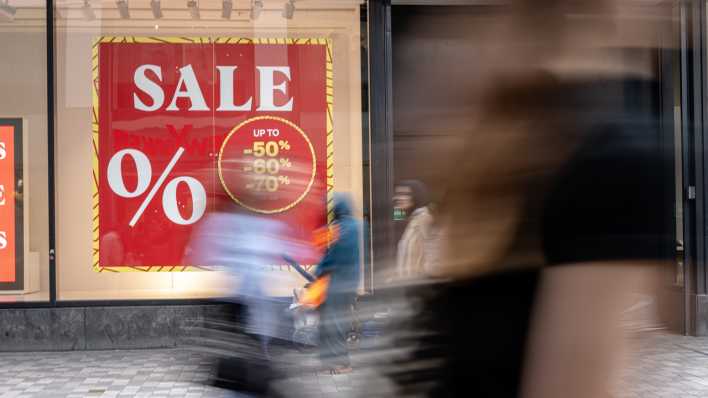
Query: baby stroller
pixel 306 319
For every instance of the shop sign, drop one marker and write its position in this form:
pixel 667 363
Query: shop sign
pixel 186 126
pixel 10 208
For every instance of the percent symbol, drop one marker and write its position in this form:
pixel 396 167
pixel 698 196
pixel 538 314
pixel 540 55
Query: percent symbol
pixel 285 145
pixel 285 180
pixel 144 176
pixel 285 162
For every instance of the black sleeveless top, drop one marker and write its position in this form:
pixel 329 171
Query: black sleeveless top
pixel 613 199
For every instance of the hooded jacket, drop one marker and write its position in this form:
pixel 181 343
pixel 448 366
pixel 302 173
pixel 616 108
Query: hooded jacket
pixel 343 258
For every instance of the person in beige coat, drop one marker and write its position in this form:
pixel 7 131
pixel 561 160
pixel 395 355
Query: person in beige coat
pixel 415 248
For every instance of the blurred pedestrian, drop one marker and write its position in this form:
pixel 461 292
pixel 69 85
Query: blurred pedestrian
pixel 551 217
pixel 246 247
pixel 341 264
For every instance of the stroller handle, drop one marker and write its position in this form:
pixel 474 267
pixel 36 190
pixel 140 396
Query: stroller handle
pixel 308 276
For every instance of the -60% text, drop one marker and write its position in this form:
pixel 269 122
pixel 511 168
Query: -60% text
pixel 267 166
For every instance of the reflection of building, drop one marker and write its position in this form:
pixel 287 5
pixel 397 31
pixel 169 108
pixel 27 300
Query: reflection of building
pixel 376 123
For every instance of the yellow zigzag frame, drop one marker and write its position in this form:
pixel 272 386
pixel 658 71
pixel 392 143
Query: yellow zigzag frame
pixel 199 40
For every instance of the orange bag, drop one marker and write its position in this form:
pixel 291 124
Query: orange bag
pixel 316 294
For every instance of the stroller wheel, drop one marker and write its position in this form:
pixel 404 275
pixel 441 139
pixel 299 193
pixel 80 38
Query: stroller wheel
pixel 305 339
pixel 353 340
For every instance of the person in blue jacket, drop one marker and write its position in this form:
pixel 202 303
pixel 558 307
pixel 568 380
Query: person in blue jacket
pixel 341 263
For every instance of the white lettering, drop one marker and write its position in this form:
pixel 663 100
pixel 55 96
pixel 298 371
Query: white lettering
pixel 3 152
pixel 226 85
pixel 115 173
pixel 199 199
pixel 2 195
pixel 3 240
pixel 268 87
pixel 188 87
pixel 148 87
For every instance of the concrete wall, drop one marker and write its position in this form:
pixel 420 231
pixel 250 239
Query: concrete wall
pixel 103 328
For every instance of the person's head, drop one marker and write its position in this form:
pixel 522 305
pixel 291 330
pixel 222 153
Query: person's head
pixel 342 206
pixel 410 195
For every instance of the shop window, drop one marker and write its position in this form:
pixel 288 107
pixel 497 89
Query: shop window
pixel 24 226
pixel 159 102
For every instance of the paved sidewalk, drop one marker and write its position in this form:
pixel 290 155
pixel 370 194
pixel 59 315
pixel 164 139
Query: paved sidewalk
pixel 667 366
pixel 106 374
pixel 144 373
pixel 664 366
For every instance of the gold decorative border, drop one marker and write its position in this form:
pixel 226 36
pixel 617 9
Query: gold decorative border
pixel 329 84
pixel 95 164
pixel 309 145
pixel 197 40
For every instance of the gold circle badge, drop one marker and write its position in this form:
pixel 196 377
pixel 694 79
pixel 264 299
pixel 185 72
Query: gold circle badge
pixel 239 129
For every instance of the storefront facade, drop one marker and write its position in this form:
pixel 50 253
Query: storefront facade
pixel 260 103
pixel 121 121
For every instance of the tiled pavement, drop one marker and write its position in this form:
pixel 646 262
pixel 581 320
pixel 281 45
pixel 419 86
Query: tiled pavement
pixel 665 366
pixel 143 373
pixel 105 374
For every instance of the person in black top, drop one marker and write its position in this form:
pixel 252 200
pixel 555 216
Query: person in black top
pixel 554 216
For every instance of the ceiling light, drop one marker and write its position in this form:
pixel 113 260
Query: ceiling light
pixel 226 7
pixel 86 9
pixel 193 8
pixel 156 9
pixel 289 9
pixel 123 8
pixel 7 12
pixel 256 9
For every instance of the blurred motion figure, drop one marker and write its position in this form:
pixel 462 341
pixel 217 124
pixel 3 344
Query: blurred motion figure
pixel 341 264
pixel 553 212
pixel 246 248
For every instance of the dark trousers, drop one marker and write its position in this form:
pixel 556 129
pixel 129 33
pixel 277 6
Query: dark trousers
pixel 334 326
pixel 470 337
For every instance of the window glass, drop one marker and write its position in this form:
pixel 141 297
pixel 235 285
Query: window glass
pixel 24 233
pixel 168 112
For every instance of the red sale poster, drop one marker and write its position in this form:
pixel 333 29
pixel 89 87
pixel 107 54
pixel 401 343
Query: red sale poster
pixel 8 271
pixel 183 125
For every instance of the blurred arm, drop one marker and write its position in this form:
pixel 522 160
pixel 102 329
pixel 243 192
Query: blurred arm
pixel 577 344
